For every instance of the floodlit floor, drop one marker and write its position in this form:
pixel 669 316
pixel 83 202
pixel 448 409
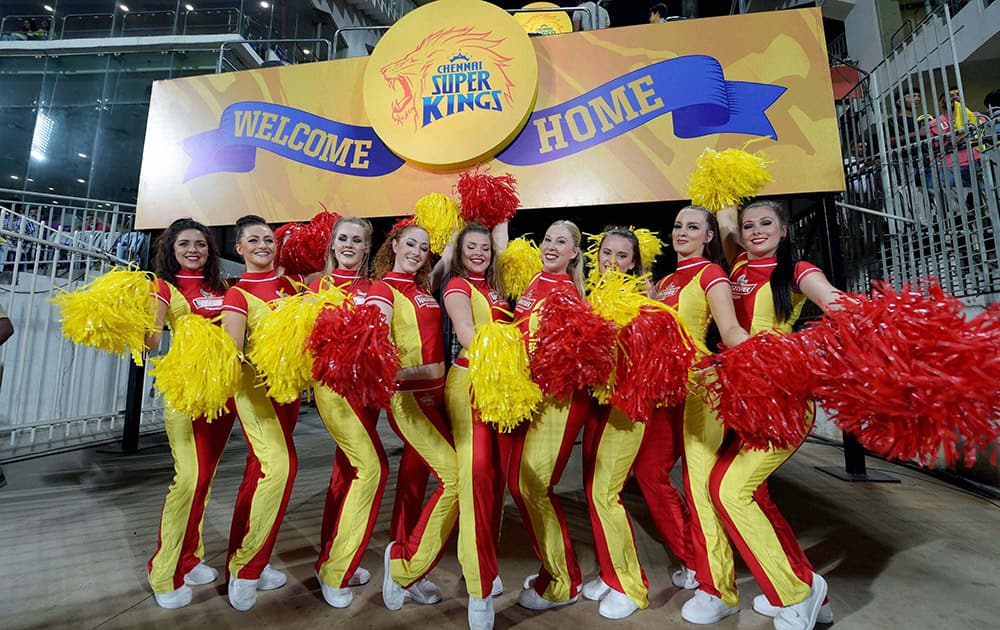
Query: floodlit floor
pixel 78 528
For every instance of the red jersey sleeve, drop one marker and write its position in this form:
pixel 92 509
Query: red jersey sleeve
pixel 711 276
pixel 379 292
pixel 161 291
pixel 235 301
pixel 457 285
pixel 803 269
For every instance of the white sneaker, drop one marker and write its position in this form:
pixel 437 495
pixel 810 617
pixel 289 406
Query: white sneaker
pixel 705 608
pixel 177 598
pixel 481 613
pixel 764 607
pixel 336 597
pixel 392 594
pixel 528 581
pixel 803 615
pixel 242 593
pixel 270 579
pixel 361 577
pixel 200 574
pixel 497 587
pixel 617 605
pixel 423 591
pixel 684 578
pixel 530 599
pixel 596 589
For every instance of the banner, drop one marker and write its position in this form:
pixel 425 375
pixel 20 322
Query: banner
pixel 601 117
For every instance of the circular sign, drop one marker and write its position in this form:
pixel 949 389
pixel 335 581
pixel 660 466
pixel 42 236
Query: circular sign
pixel 451 83
pixel 544 23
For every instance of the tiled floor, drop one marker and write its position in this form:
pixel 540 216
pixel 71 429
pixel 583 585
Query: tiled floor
pixel 77 530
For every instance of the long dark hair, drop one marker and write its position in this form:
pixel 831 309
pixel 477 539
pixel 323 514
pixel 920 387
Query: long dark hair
pixel 783 276
pixel 627 234
pixel 456 266
pixel 713 249
pixel 165 263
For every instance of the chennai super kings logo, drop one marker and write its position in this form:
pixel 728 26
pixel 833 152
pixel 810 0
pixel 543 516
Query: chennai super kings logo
pixel 451 71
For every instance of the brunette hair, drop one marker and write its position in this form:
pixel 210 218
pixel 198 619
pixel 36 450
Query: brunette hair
pixel 783 276
pixel 385 258
pixel 456 266
pixel 629 235
pixel 246 221
pixel 165 263
pixel 331 258
pixel 713 248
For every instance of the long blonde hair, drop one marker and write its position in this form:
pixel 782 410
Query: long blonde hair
pixel 331 258
pixel 575 267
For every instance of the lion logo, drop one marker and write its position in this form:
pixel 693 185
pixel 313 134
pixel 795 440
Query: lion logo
pixel 410 76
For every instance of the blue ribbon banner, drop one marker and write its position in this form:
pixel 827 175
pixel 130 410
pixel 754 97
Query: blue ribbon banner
pixel 692 88
pixel 291 133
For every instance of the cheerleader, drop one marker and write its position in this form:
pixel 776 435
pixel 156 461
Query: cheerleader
pixel 267 425
pixel 699 290
pixel 186 261
pixel 611 442
pixel 472 298
pixel 360 464
pixel 541 451
pixel 769 289
pixel 416 410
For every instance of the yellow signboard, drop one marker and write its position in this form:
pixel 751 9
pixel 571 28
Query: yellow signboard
pixel 620 116
pixel 544 22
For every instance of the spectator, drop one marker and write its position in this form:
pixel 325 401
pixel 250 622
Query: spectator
pixel 950 127
pixel 658 13
pixel 595 17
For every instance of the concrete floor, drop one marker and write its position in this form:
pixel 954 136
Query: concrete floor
pixel 78 528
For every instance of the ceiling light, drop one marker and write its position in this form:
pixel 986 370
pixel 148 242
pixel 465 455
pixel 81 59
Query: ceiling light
pixel 189 7
pixel 306 51
pixel 29 179
pixel 52 189
pixel 264 4
pixel 81 180
pixel 123 8
pixel 14 177
pixel 48 8
pixel 83 155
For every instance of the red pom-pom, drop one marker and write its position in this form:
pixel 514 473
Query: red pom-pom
pixel 654 356
pixel 302 246
pixel 402 223
pixel 762 388
pixel 487 199
pixel 354 355
pixel 910 377
pixel 573 347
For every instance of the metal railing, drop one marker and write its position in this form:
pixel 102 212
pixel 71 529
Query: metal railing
pixel 54 394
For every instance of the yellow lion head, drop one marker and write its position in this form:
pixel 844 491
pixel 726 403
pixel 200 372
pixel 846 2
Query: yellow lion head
pixel 409 76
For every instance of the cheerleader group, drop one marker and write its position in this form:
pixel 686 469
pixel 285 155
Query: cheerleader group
pixel 725 503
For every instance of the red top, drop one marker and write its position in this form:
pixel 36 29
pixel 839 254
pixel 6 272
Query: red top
pixel 668 289
pixel 539 288
pixel 351 281
pixel 204 300
pixel 266 285
pixel 416 318
pixel 749 278
pixel 499 309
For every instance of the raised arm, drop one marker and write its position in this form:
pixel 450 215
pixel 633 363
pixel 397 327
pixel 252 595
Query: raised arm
pixel 729 225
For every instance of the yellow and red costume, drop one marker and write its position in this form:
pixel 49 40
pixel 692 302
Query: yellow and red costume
pixel 416 414
pixel 196 446
pixel 539 454
pixel 360 465
pixel 737 484
pixel 483 452
pixel 267 426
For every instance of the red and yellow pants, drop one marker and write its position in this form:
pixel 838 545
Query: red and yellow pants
pixel 416 414
pixel 357 483
pixel 727 490
pixel 538 458
pixel 412 476
pixel 267 479
pixel 611 443
pixel 662 446
pixel 196 446
pixel 483 454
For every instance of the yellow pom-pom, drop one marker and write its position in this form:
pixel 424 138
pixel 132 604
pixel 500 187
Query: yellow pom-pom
pixel 518 264
pixel 650 246
pixel 201 371
pixel 726 178
pixel 114 312
pixel 502 389
pixel 617 297
pixel 439 215
pixel 277 343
